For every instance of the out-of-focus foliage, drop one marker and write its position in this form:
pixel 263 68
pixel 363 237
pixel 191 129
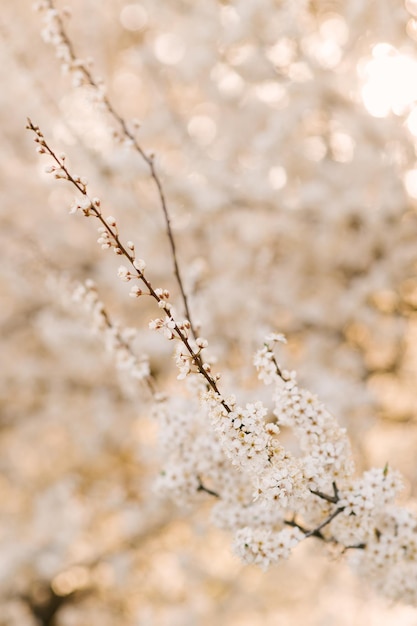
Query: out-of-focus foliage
pixel 285 134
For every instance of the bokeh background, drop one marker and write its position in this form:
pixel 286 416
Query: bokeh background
pixel 285 135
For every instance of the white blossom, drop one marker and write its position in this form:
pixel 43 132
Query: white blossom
pixel 264 547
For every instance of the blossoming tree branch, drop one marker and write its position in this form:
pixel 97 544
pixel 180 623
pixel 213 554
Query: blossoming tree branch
pixel 278 472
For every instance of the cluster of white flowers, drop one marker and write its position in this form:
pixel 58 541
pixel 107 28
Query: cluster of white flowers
pixel 252 446
pixel 117 340
pixel 269 497
pixel 264 547
pixel 321 439
pixel 287 499
pixel 185 362
pixel 389 561
pixel 167 325
pixel 265 361
pixel 185 451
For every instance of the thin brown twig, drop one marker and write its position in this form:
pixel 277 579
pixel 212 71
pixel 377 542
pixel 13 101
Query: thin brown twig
pixel 357 546
pixel 277 367
pixel 123 251
pixel 327 521
pixel 324 496
pixel 149 160
pixel 202 487
pixel 316 532
pixel 313 533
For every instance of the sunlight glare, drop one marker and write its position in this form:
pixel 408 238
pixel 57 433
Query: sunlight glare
pixel 390 82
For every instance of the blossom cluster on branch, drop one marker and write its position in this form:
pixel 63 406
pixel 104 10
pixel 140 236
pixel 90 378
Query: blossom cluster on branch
pixel 271 185
pixel 270 498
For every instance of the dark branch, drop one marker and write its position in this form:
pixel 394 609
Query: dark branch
pixel 202 487
pixel 334 499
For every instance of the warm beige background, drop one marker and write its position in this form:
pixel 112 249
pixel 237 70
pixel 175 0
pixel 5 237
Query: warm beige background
pixel 294 209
